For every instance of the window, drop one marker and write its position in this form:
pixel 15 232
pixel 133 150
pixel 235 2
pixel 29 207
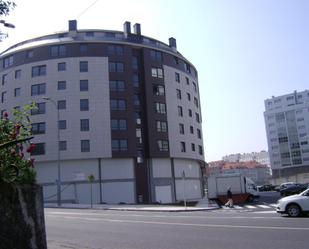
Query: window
pixel 194 86
pixel 58 50
pixel 40 109
pixel 178 94
pixel 157 72
pixel 116 67
pixel 83 48
pixel 8 61
pixel 61 104
pixel 158 90
pixel 17 92
pixel 176 61
pixel 189 96
pixel 119 145
pixel 117 85
pixel 199 133
pixel 192 146
pixel 17 74
pixel 3 97
pixel 196 102
pixel 83 66
pixel 181 129
pixel 160 108
pixel 197 117
pixel 156 55
pixel 188 81
pixel 182 146
pixel 115 50
pixel 84 125
pixel 85 145
pixel 29 54
pixel 61 66
pixel 136 99
pixel 134 62
pixel 190 112
pixel 119 124
pixel 90 34
pixel 38 71
pixel 138 119
pixel 191 129
pixel 62 124
pixel 38 128
pixel 38 89
pixel 177 77
pixel 39 149
pixel 200 150
pixel 62 85
pixel 62 145
pixel 180 113
pixel 187 67
pixel 83 85
pixel 118 105
pixel 162 145
pixel 136 80
pixel 161 126
pixel 290 98
pixel 4 79
pixel 84 104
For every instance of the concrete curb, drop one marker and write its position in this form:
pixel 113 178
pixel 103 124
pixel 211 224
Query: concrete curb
pixel 137 208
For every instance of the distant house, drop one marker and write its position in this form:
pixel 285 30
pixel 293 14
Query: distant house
pixel 257 172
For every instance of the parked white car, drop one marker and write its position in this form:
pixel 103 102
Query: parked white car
pixel 294 205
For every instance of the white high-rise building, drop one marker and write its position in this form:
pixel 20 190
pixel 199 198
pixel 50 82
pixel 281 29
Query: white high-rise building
pixel 287 128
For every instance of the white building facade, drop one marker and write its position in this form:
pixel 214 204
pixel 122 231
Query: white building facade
pixel 129 114
pixel 287 128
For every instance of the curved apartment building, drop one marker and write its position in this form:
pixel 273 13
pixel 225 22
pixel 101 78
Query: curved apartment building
pixel 120 106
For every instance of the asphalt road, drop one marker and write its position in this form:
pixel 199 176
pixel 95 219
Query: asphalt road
pixel 220 229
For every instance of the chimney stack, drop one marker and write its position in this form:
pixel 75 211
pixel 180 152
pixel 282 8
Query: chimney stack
pixel 172 43
pixel 72 28
pixel 127 28
pixel 137 29
pixel 72 25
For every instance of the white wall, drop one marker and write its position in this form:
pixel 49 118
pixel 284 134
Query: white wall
pixel 172 115
pixel 161 167
pixel 118 180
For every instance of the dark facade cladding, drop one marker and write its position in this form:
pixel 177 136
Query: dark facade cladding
pixel 138 101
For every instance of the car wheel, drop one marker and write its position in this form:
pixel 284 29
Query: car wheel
pixel 293 210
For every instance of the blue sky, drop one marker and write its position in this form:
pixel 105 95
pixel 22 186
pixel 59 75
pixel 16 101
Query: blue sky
pixel 244 50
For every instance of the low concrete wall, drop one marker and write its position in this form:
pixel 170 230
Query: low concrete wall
pixel 22 217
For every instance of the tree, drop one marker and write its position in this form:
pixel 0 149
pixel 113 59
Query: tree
pixel 6 7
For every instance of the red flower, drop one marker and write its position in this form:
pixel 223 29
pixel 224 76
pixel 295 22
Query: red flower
pixel 31 148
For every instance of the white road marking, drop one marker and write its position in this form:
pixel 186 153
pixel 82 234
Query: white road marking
pixel 181 224
pixel 263 206
pixel 238 207
pixel 265 212
pixel 250 206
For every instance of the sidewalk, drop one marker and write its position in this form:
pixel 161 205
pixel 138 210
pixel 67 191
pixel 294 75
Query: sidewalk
pixel 202 205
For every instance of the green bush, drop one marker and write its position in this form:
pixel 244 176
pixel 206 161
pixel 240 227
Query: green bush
pixel 15 136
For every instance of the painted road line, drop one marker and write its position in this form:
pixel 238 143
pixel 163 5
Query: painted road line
pixel 263 206
pixel 238 207
pixel 250 206
pixel 180 223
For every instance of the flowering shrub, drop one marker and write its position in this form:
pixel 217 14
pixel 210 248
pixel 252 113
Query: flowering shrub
pixel 15 136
